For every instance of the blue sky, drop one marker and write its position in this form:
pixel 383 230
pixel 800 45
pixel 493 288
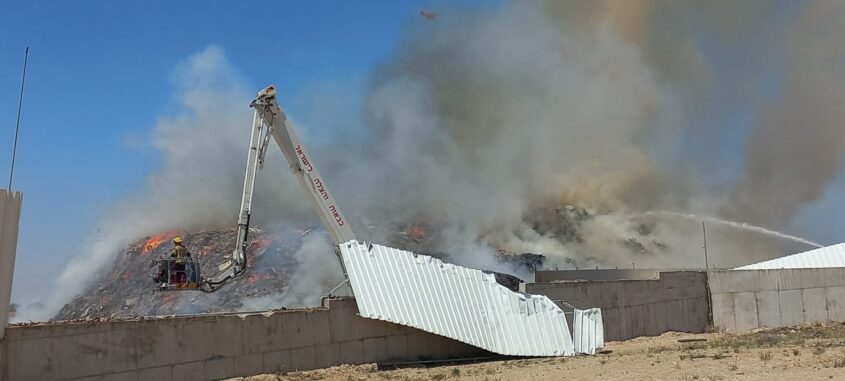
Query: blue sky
pixel 100 74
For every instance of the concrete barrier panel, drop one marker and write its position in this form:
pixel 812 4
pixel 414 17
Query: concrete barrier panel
pixel 248 364
pixel 631 308
pixel 304 358
pixel 791 308
pixel 206 347
pixel 815 305
pixel 194 371
pixel 655 319
pixel 126 376
pixel 10 213
pixel 155 340
pixel 397 347
pixel 745 307
pixel 219 368
pixel 836 303
pixel 375 349
pixel 29 359
pixel 683 285
pixel 593 275
pixel 328 355
pixel 612 324
pixel 782 297
pixel 723 312
pixel 768 309
pixel 811 278
pixel 163 373
pixel 743 281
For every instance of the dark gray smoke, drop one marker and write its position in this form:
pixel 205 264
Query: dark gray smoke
pixel 481 116
pixel 798 142
pixel 613 105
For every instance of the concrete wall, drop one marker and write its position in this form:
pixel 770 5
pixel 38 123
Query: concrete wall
pixel 10 212
pixel 748 299
pixel 210 347
pixel 677 301
pixel 601 274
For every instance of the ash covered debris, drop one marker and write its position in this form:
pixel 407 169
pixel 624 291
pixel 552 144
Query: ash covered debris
pixel 562 222
pixel 563 238
pixel 528 261
pixel 126 289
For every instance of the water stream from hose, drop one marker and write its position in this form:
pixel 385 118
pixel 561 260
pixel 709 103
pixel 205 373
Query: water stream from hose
pixel 734 224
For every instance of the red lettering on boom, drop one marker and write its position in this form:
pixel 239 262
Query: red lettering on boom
pixel 336 215
pixel 304 159
pixel 321 188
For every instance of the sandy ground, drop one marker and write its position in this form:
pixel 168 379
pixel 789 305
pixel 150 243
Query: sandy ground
pixel 812 352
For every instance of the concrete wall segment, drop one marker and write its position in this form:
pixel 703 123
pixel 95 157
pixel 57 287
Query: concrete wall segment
pixel 767 308
pixel 214 346
pixel 594 275
pixel 10 213
pixel 776 297
pixel 815 304
pixel 630 308
pixel 835 303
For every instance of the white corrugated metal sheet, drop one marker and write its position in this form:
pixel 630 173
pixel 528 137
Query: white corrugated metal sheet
pixel 588 331
pixel 829 256
pixel 453 301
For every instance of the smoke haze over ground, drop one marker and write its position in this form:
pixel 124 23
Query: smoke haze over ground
pixel 483 115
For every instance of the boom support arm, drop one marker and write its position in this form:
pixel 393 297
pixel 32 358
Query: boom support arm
pixel 269 120
pixel 267 110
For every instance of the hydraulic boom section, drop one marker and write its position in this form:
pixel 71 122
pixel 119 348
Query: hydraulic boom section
pixel 301 165
pixel 254 161
pixel 270 121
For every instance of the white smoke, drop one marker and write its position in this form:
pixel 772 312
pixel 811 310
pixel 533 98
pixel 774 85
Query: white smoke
pixel 200 178
pixel 318 271
pixel 482 116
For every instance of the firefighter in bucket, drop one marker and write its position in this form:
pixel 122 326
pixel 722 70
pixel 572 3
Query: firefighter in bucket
pixel 178 270
pixel 180 257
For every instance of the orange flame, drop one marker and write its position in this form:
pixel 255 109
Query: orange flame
pixel 155 241
pixel 416 232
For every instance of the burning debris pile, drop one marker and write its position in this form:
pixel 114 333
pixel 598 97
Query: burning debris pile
pixel 126 289
pixel 286 270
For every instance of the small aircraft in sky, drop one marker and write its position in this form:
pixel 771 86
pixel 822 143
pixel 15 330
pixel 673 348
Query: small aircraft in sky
pixel 428 15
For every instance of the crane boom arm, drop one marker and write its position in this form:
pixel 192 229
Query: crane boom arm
pixel 267 109
pixel 270 121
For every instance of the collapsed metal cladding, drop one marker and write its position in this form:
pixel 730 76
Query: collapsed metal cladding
pixel 454 301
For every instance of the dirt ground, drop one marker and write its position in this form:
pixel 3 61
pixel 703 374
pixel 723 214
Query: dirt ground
pixel 812 352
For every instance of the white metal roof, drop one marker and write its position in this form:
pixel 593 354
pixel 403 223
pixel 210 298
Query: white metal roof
pixel 453 301
pixel 829 256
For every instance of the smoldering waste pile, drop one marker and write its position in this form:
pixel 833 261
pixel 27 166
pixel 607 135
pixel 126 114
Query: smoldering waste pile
pixel 126 289
pixel 550 238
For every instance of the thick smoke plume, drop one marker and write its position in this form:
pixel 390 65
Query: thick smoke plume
pixel 484 115
pixel 798 143
pixel 198 185
pixel 609 105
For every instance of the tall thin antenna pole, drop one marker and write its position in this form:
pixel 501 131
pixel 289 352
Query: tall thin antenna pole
pixel 706 260
pixel 18 122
